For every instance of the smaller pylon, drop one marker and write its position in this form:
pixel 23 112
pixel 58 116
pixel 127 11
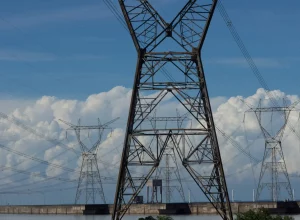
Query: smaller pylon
pixel 170 157
pixel 168 175
pixel 89 180
pixel 273 175
pixel 168 172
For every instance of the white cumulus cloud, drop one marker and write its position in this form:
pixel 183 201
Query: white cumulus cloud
pixel 53 145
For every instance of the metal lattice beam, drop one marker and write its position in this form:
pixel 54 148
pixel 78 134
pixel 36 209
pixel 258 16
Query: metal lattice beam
pixel 144 145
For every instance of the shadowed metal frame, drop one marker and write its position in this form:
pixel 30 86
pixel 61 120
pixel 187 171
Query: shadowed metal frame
pixel 149 30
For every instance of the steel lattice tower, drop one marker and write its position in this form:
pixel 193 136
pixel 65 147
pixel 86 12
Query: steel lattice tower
pixel 273 174
pixel 144 146
pixel 169 152
pixel 168 171
pixel 168 175
pixel 89 183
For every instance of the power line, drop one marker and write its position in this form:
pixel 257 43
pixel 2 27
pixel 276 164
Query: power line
pixel 36 159
pixel 18 123
pixel 113 8
pixel 36 133
pixel 50 178
pixel 250 61
pixel 168 75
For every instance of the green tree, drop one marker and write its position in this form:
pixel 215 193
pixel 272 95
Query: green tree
pixel 147 218
pixel 261 214
pixel 164 217
pixel 160 217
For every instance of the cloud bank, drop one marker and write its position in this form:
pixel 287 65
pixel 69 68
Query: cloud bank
pixel 53 145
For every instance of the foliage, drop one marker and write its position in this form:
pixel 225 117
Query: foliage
pixel 147 218
pixel 160 217
pixel 261 214
pixel 164 217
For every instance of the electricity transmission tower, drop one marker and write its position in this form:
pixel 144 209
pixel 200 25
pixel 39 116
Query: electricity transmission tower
pixel 168 171
pixel 169 152
pixel 177 75
pixel 273 174
pixel 89 182
pixel 168 175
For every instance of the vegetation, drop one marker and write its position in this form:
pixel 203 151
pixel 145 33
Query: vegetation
pixel 164 217
pixel 261 214
pixel 160 217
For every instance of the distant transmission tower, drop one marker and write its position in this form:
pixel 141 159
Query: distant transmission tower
pixel 168 171
pixel 168 175
pixel 175 74
pixel 273 175
pixel 89 182
pixel 169 153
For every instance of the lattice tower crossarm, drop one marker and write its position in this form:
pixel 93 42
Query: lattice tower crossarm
pixel 202 160
pixel 273 175
pixel 89 182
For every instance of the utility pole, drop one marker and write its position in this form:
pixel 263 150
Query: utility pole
pixel 162 73
pixel 89 183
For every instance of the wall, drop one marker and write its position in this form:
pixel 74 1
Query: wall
pixel 141 209
pixel 43 209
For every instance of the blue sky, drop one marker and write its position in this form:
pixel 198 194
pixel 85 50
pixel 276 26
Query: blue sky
pixel 71 49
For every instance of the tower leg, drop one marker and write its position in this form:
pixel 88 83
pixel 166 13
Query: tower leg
pixel 81 177
pixel 144 146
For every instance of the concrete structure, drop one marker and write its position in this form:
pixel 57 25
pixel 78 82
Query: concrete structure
pixel 142 209
pixel 43 209
pixel 153 186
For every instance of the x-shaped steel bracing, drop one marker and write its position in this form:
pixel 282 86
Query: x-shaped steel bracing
pixel 144 145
